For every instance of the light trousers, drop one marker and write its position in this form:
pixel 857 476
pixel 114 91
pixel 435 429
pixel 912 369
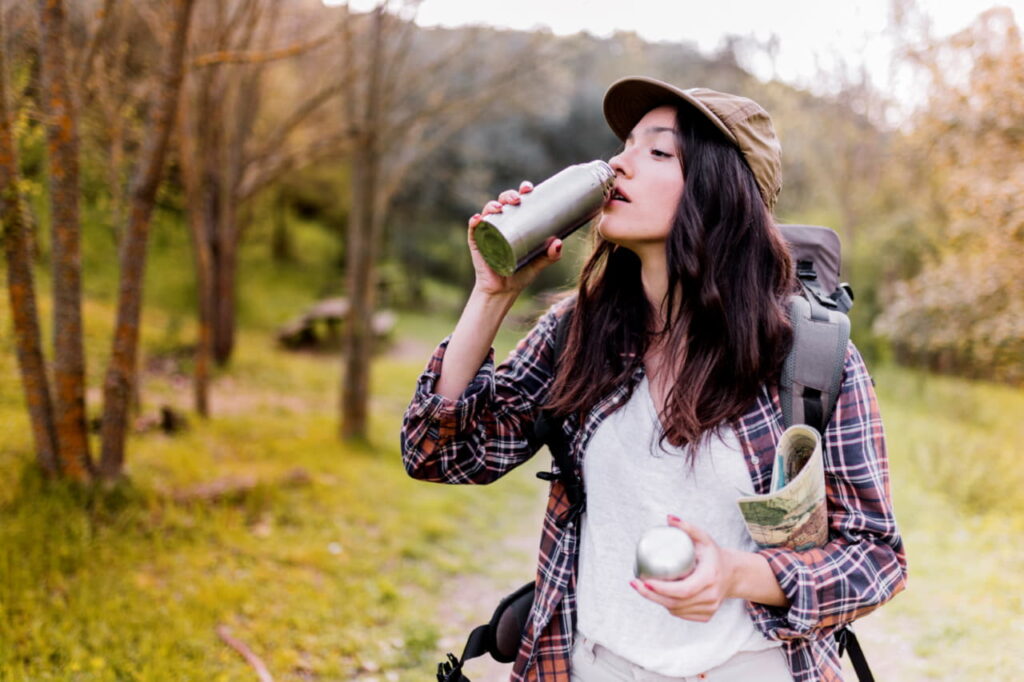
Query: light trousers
pixel 592 662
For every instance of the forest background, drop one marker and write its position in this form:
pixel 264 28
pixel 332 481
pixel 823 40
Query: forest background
pixel 199 472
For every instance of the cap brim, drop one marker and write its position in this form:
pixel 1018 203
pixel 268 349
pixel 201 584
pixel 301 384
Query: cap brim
pixel 629 99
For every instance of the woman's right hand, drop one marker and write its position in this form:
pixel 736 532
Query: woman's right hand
pixel 487 280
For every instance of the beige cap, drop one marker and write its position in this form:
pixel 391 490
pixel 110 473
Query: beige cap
pixel 743 121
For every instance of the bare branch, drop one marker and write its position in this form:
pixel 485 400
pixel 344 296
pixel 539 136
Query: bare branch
pixel 394 66
pixel 224 632
pixel 270 168
pixel 152 15
pixel 246 8
pixel 245 57
pixel 98 38
pixel 441 64
pixel 276 140
pixel 456 100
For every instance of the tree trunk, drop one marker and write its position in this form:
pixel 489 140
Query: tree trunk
pixel 281 249
pixel 204 343
pixel 121 373
pixel 202 254
pixel 363 237
pixel 62 148
pixel 21 289
pixel 240 104
pixel 224 292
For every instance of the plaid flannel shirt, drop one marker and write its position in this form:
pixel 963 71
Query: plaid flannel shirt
pixel 489 430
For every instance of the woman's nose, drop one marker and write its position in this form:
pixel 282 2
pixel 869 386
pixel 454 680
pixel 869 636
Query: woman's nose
pixel 619 164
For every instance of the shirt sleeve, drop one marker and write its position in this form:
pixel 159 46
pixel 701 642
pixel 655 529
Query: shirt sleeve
pixel 488 430
pixel 863 565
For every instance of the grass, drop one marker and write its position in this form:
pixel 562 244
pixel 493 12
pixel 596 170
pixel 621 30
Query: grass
pixel 960 437
pixel 958 488
pixel 326 559
pixel 331 573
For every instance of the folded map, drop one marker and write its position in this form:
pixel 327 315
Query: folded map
pixel 793 513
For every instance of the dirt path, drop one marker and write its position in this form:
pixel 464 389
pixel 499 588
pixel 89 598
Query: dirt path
pixel 473 597
pixel 888 645
pixel 887 640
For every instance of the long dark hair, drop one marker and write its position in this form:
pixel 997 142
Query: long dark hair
pixel 725 328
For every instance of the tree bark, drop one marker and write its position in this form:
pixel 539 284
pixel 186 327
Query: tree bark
pixel 224 293
pixel 241 104
pixel 281 250
pixel 363 239
pixel 21 288
pixel 121 372
pixel 202 254
pixel 62 148
pixel 391 133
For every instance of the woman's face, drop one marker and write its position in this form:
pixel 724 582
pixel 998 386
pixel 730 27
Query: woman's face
pixel 649 184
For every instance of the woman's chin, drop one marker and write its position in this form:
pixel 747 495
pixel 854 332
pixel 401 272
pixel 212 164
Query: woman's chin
pixel 606 230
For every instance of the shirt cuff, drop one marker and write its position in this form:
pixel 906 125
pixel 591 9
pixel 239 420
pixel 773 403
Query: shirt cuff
pixel 800 619
pixel 460 412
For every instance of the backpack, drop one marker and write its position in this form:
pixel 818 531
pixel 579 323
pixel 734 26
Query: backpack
pixel 808 390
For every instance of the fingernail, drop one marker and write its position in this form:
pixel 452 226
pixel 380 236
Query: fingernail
pixel 634 585
pixel 648 586
pixel 673 519
pixel 558 249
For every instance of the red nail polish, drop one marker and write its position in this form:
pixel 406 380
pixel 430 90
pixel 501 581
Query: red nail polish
pixel 673 519
pixel 648 586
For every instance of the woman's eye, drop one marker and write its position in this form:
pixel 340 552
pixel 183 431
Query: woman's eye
pixel 658 152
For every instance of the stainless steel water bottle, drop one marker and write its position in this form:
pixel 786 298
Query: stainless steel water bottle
pixel 556 207
pixel 664 553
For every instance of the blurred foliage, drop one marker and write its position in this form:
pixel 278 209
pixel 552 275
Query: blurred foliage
pixel 930 214
pixel 963 310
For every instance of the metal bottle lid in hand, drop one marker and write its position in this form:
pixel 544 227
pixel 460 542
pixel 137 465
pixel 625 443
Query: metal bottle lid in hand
pixel 664 553
pixel 556 207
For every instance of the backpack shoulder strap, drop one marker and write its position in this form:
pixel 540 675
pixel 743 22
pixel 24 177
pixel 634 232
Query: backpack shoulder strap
pixel 813 371
pixel 811 378
pixel 548 430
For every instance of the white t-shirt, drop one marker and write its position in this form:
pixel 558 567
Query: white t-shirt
pixel 633 482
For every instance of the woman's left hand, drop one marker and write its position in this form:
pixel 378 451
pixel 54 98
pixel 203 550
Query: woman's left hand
pixel 697 596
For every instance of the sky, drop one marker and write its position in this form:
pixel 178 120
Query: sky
pixel 809 32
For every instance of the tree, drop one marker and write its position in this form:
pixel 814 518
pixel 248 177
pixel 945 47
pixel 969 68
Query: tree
pixel 233 143
pixel 62 144
pixel 121 372
pixel 400 112
pixel 21 286
pixel 61 440
pixel 964 309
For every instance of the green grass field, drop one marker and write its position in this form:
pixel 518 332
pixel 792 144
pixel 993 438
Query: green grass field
pixel 326 559
pixel 958 484
pixel 322 558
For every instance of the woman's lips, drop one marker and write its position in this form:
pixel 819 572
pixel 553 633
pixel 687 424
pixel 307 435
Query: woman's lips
pixel 618 195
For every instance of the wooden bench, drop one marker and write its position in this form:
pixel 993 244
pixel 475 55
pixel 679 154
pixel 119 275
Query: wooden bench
pixel 321 325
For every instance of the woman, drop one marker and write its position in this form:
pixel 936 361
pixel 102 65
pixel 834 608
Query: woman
pixel 669 381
